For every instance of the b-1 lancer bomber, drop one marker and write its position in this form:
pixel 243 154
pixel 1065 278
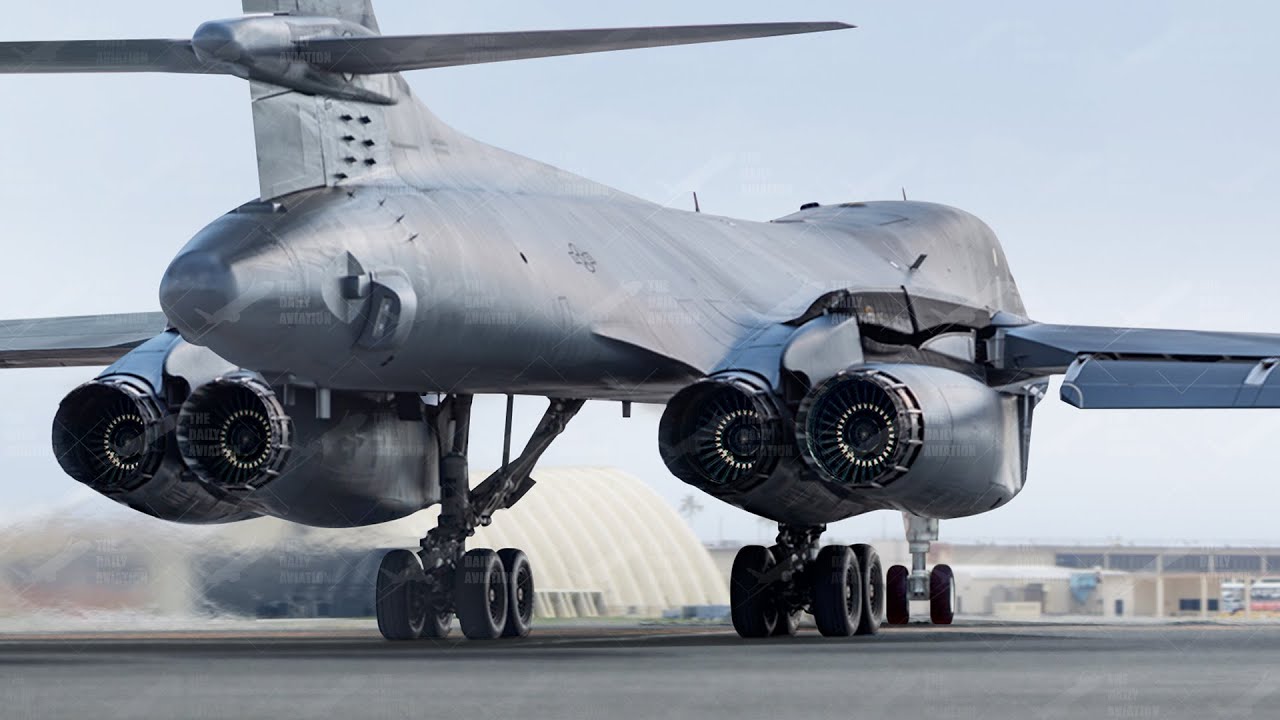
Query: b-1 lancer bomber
pixel 319 346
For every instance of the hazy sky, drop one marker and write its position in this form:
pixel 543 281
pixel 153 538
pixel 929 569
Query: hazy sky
pixel 1128 154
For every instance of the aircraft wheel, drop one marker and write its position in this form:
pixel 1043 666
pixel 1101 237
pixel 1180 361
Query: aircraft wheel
pixel 942 595
pixel 837 591
pixel 519 592
pixel 788 622
pixel 439 618
pixel 481 596
pixel 751 598
pixel 897 595
pixel 872 590
pixel 401 596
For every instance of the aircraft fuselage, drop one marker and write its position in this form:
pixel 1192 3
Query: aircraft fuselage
pixel 583 296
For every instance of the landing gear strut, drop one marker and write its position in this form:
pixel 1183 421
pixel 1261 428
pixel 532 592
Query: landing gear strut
pixel 841 586
pixel 936 586
pixel 491 592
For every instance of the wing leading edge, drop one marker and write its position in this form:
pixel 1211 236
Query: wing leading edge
pixel 371 55
pixel 85 340
pixel 1143 368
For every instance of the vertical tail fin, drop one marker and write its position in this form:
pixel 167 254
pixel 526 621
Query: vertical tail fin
pixel 356 11
pixel 301 139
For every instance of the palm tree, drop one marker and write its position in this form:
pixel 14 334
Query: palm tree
pixel 690 507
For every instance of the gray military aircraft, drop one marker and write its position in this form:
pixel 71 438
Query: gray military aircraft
pixel 319 346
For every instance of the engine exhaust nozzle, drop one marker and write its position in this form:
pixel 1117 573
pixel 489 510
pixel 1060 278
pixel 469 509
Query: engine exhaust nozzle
pixel 234 434
pixel 721 432
pixel 109 434
pixel 861 428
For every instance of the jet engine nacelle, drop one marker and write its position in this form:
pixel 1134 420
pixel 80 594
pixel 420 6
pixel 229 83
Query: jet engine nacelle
pixel 362 464
pixel 115 434
pixel 176 432
pixel 234 433
pixel 909 437
pixel 732 437
pixel 917 435
pixel 724 434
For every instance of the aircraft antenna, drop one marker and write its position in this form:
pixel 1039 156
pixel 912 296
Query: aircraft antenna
pixel 696 207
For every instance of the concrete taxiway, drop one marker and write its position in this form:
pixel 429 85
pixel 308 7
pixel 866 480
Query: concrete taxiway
pixel 628 671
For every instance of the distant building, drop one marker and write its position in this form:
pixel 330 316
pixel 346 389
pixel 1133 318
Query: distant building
pixel 1119 581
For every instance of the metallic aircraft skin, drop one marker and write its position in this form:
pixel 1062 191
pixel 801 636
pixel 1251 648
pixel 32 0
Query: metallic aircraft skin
pixel 541 281
pixel 516 277
pixel 390 256
pixel 549 295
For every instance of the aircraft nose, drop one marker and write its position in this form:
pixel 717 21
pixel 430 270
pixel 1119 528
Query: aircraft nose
pixel 199 292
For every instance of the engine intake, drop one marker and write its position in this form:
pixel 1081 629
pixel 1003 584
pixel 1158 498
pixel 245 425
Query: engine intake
pixel 109 434
pixel 234 433
pixel 722 432
pixel 861 428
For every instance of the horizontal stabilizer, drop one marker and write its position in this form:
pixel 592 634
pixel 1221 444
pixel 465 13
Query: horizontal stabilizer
pixel 260 48
pixel 88 56
pixel 75 341
pixel 374 55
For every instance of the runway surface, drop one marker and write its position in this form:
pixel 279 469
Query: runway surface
pixel 976 671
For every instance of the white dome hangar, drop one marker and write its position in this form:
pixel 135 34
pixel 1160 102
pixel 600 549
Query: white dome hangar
pixel 601 543
pixel 600 529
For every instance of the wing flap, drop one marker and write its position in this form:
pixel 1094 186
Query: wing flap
pixel 87 340
pixel 1093 383
pixel 1042 345
pixel 1147 368
pixel 375 55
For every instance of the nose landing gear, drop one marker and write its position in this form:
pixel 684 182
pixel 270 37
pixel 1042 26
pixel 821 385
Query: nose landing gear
pixel 937 586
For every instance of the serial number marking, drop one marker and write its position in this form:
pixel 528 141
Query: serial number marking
pixel 582 257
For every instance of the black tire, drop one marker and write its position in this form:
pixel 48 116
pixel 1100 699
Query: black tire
pixel 480 594
pixel 897 595
pixel 788 623
pixel 942 595
pixel 519 592
pixel 751 598
pixel 400 596
pixel 837 591
pixel 439 619
pixel 872 590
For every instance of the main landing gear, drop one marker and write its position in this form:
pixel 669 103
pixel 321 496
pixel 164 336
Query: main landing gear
pixel 936 586
pixel 490 592
pixel 842 586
